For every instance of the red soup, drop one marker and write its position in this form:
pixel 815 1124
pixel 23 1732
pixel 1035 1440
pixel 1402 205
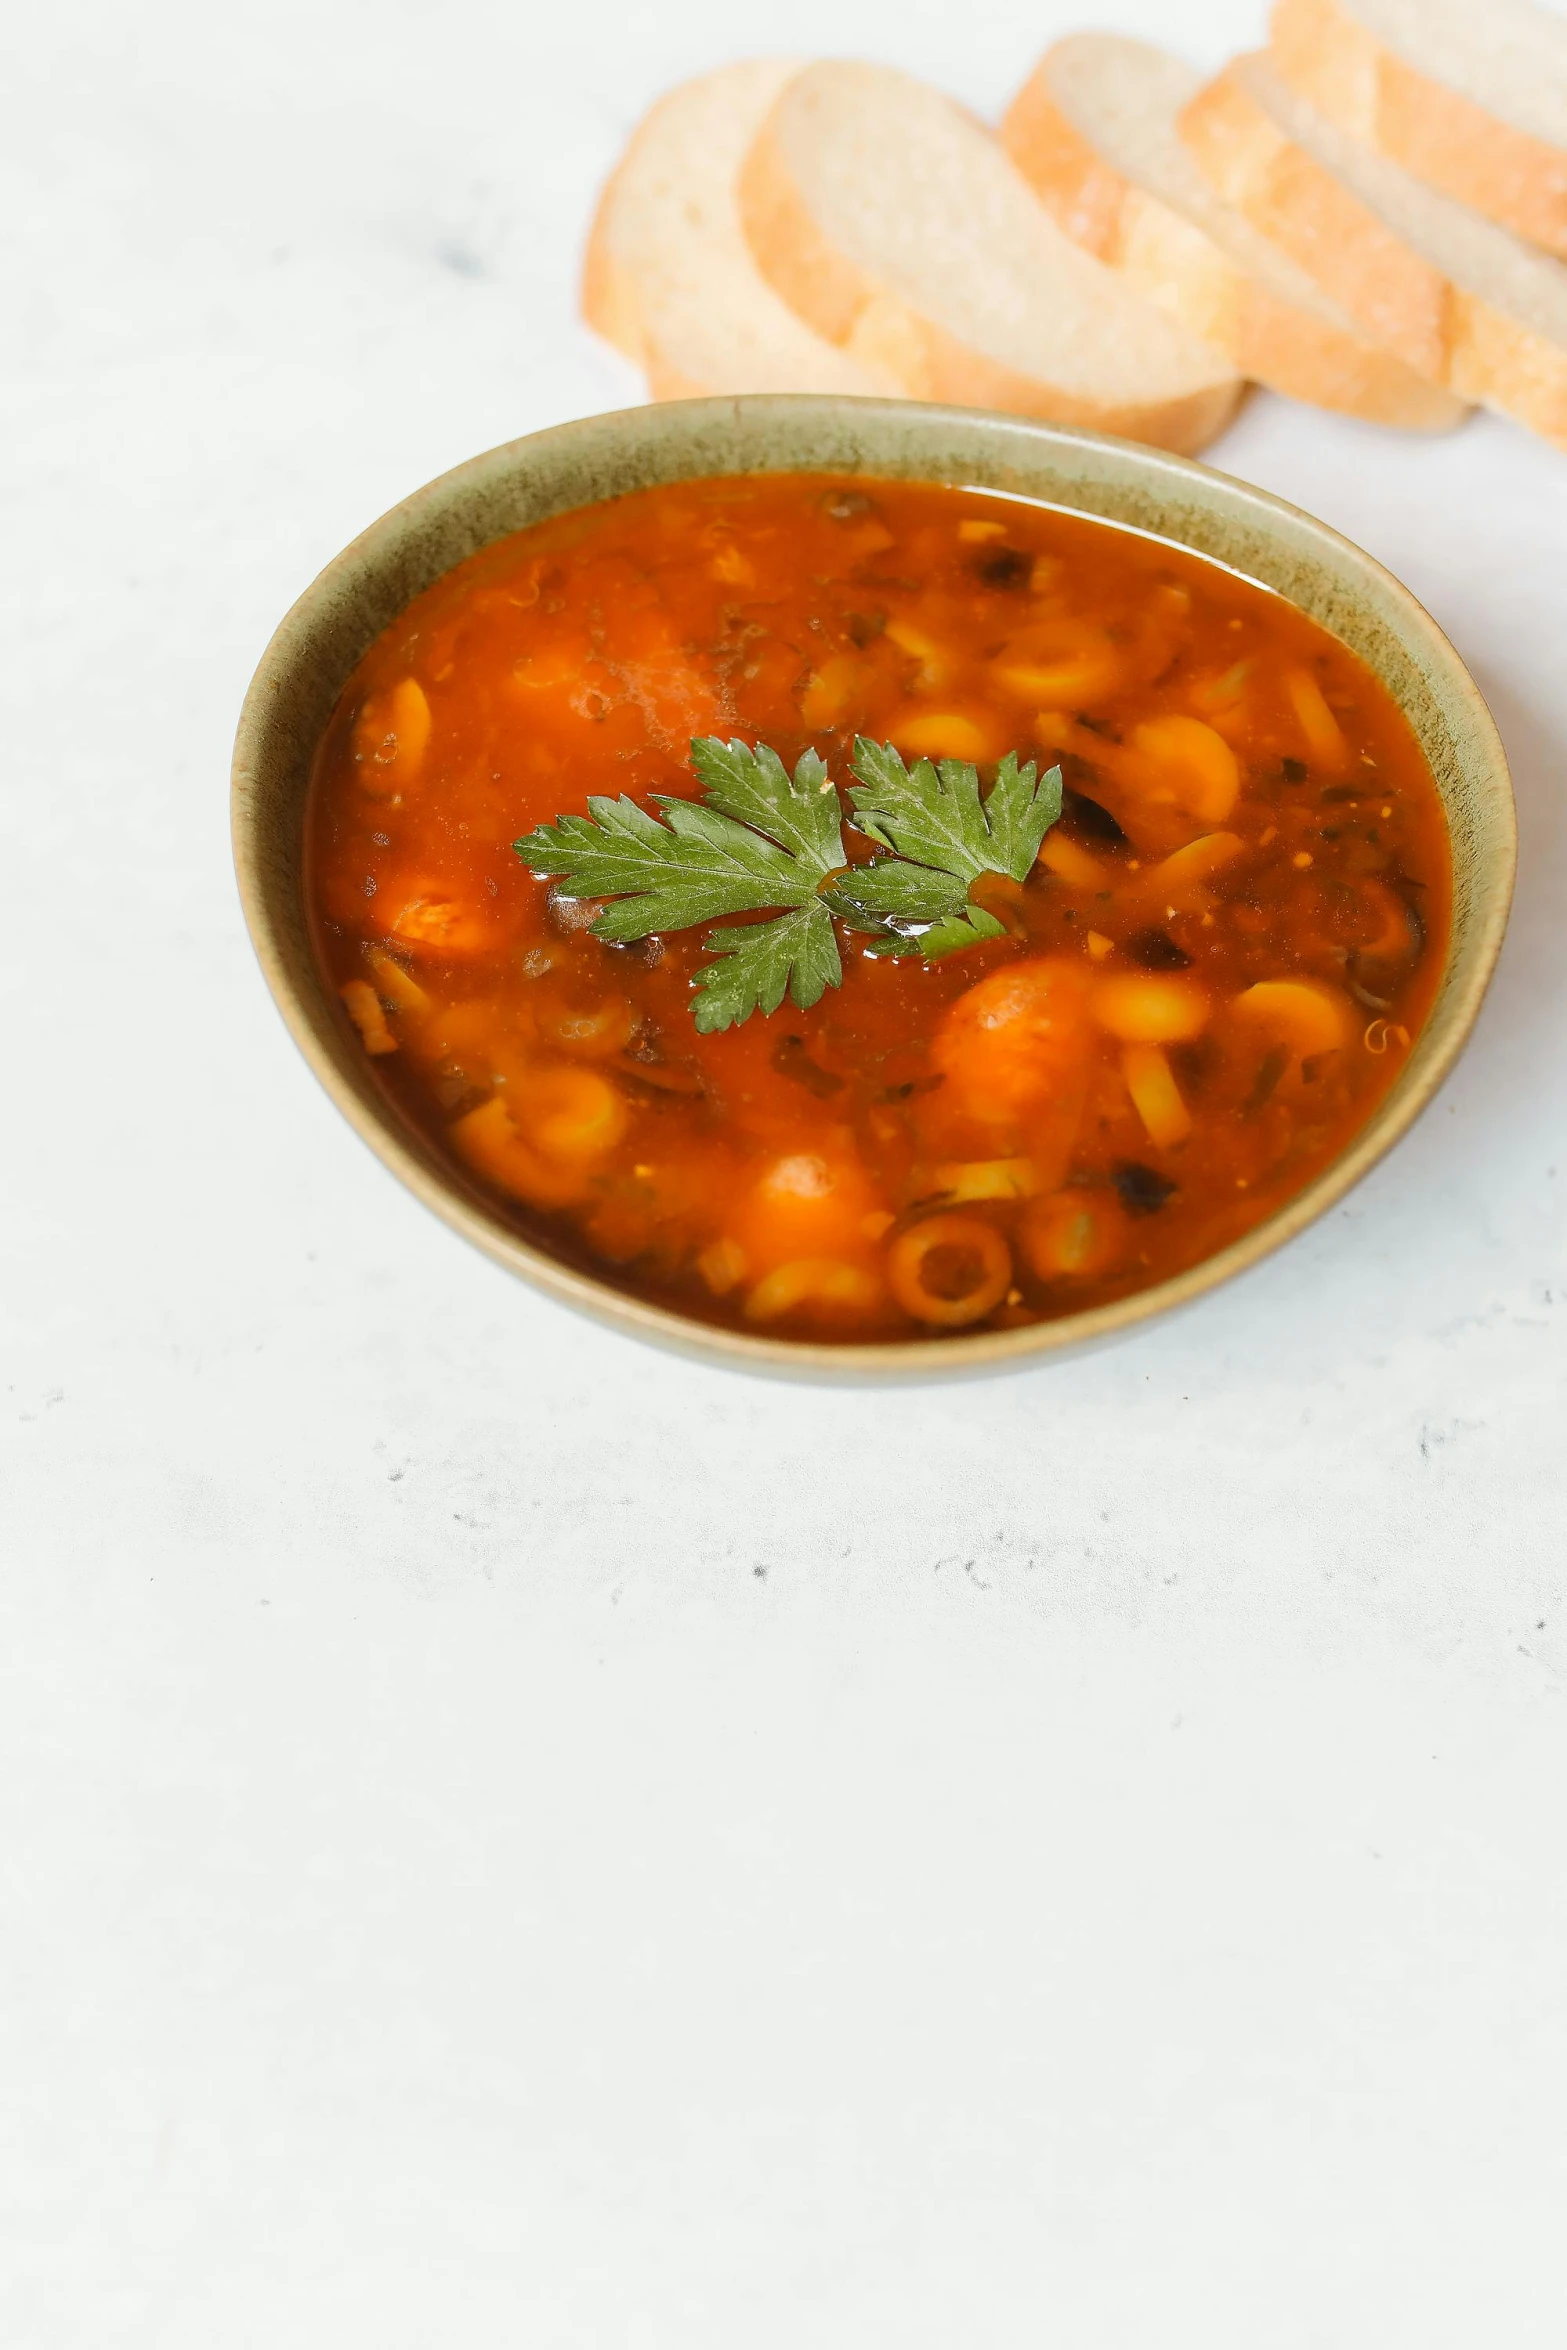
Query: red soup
pixel 1010 1062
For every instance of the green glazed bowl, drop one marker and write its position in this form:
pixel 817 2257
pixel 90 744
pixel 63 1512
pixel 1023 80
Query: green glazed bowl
pixel 317 645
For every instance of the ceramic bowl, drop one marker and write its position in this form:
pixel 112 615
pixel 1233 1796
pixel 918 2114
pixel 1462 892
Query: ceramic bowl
pixel 318 644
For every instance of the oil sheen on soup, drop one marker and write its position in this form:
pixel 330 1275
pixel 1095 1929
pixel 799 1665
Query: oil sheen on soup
pixel 1199 993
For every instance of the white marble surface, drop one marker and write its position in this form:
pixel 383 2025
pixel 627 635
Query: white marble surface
pixel 510 1840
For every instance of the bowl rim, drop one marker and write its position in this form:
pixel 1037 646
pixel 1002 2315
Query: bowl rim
pixel 317 1026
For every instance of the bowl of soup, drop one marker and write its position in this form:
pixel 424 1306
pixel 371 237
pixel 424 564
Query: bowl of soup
pixel 559 798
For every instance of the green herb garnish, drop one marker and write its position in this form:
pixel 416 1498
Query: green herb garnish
pixel 941 837
pixel 759 839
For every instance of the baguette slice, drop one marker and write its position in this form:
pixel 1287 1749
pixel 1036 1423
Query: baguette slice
pixel 1472 99
pixel 668 276
pixel 1093 131
pixel 890 219
pixel 1461 300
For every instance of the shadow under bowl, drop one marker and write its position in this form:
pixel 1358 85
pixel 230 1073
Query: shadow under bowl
pixel 319 643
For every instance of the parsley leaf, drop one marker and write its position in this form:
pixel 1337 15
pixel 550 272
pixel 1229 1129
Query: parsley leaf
pixel 754 787
pixel 756 839
pixel 666 875
pixel 932 811
pixel 941 837
pixel 757 963
pixel 948 936
pixel 889 889
pixel 915 910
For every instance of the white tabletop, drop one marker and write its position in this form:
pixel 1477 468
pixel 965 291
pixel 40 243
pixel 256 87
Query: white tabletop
pixel 511 1840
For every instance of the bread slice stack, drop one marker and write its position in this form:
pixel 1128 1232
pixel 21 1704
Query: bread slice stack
pixel 846 228
pixel 1471 98
pixel 1095 132
pixel 1371 215
pixel 1464 302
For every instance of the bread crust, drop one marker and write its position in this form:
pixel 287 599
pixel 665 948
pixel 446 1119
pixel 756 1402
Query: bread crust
pixel 1388 288
pixel 1479 351
pixel 1172 260
pixel 1499 361
pixel 877 326
pixel 1435 132
pixel 609 297
pixel 820 285
pixel 1083 193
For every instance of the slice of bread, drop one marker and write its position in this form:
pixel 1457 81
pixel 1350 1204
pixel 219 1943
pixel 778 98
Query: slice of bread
pixel 668 277
pixel 891 220
pixel 1472 99
pixel 1093 131
pixel 1463 301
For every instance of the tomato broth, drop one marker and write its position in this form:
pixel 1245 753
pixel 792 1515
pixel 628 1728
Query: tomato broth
pixel 1201 991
